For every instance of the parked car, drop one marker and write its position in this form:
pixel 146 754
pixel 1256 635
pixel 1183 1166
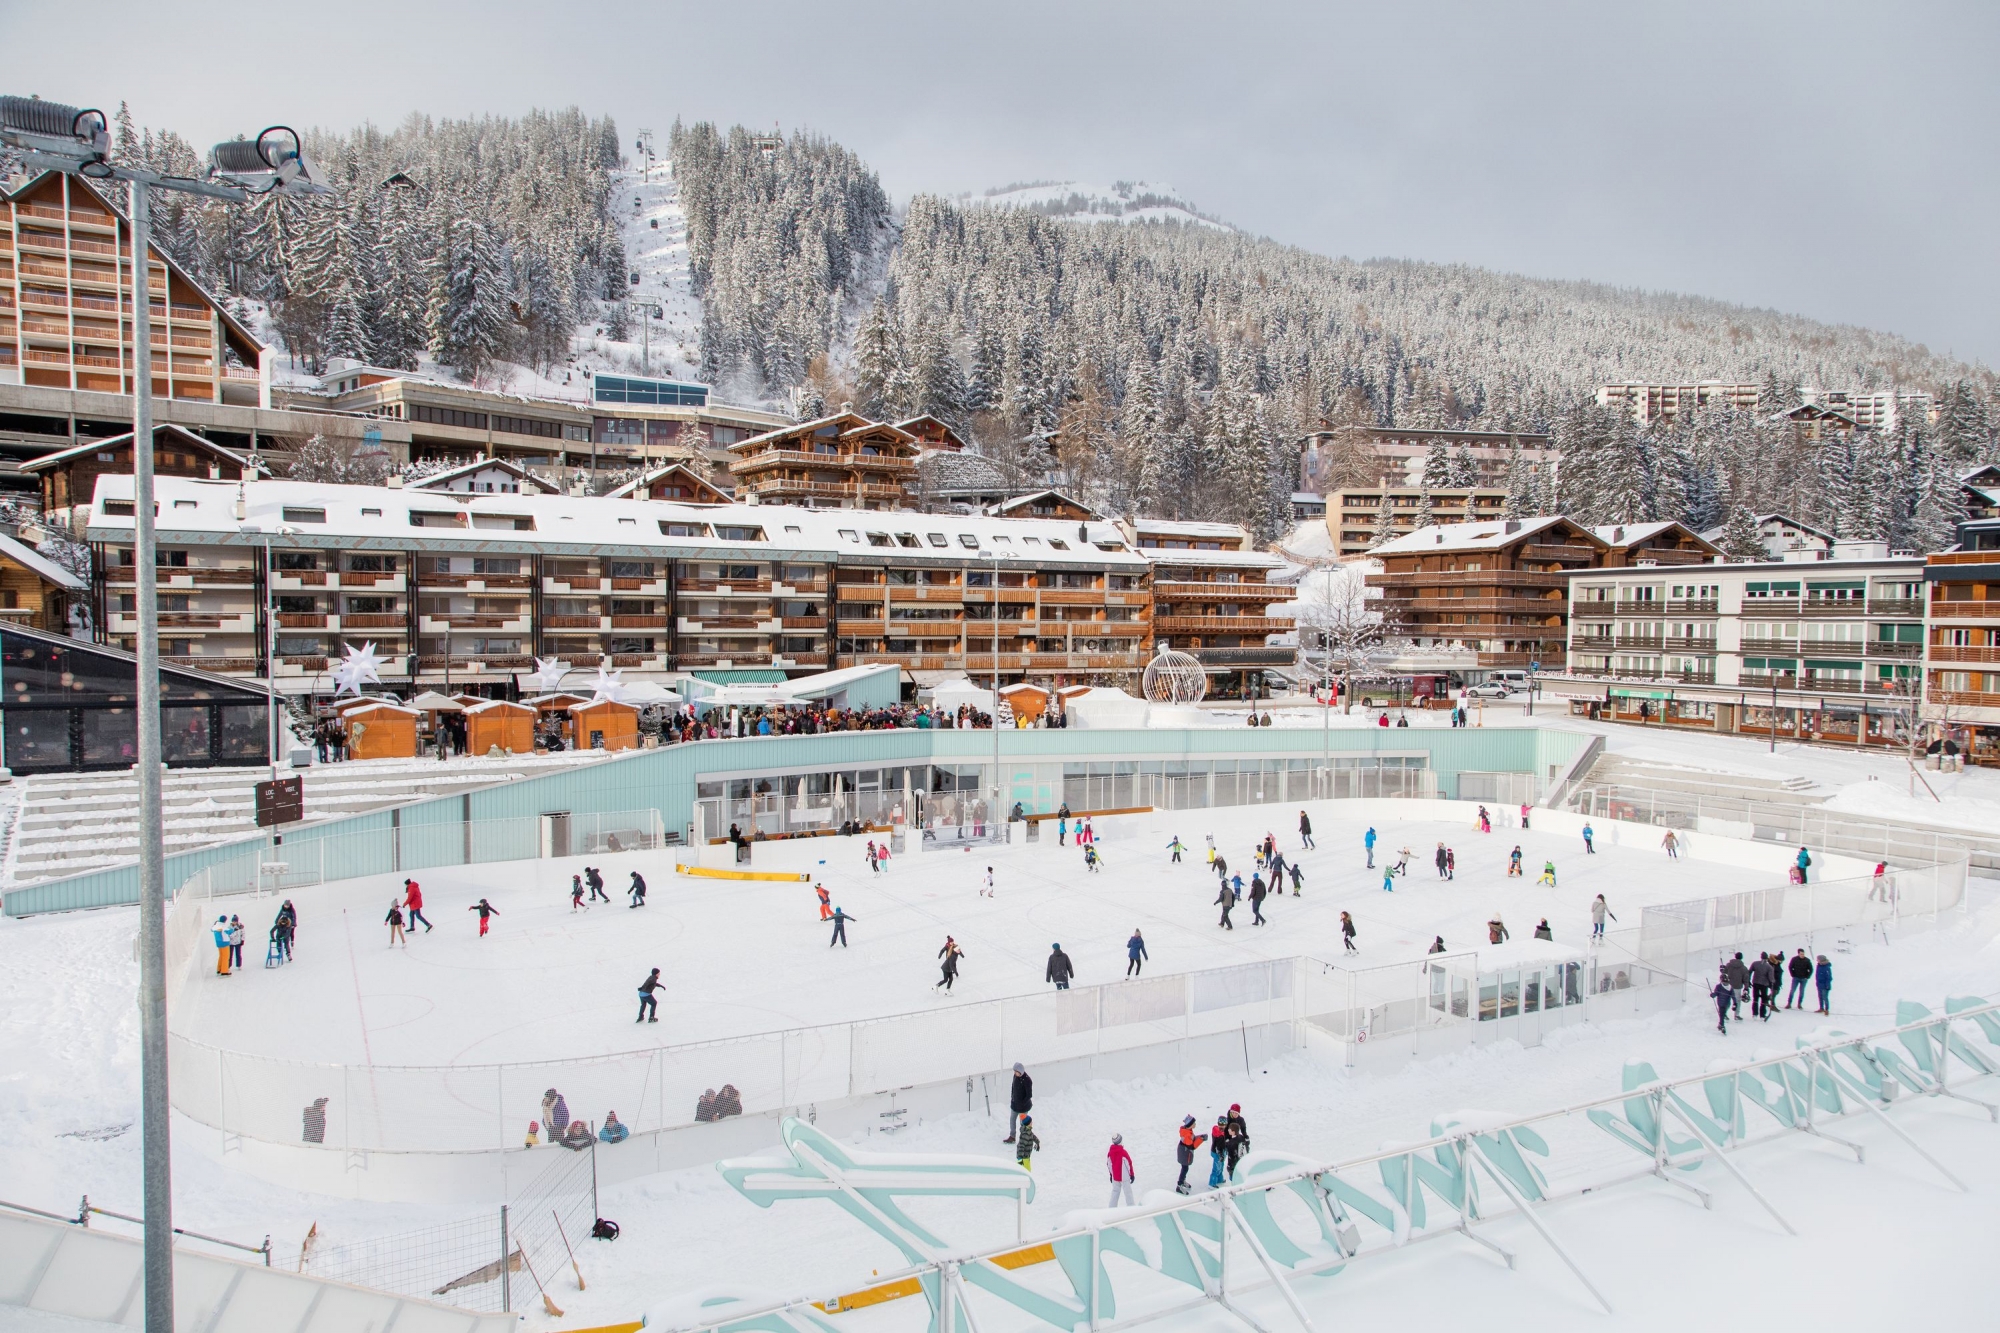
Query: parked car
pixel 1490 689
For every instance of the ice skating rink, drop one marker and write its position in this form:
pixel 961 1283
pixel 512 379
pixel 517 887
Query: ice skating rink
pixel 745 957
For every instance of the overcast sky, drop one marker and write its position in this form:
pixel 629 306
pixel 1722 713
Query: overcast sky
pixel 1835 160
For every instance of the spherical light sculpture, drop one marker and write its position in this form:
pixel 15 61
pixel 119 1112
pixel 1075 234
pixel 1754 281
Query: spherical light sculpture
pixel 1174 678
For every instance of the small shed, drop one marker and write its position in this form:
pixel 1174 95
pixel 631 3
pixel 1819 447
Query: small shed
pixel 381 731
pixel 605 724
pixel 509 726
pixel 1027 701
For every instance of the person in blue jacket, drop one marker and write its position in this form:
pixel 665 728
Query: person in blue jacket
pixel 1135 953
pixel 1823 983
pixel 613 1129
pixel 1368 841
pixel 1804 860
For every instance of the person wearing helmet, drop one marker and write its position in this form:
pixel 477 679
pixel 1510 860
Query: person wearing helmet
pixel 1184 1152
pixel 1122 1174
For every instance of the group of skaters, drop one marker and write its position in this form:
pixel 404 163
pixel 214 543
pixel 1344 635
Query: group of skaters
pixel 228 932
pixel 1227 1139
pixel 587 889
pixel 1764 979
pixel 1267 860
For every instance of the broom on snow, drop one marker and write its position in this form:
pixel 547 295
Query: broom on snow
pixel 555 1311
pixel 566 1245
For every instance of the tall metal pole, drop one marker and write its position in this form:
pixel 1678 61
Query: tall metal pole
pixel 271 656
pixel 156 1154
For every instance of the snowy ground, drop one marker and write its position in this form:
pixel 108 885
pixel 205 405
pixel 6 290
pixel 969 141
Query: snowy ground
pixel 554 983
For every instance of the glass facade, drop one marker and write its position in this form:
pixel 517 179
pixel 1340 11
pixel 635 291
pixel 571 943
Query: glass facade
pixel 657 393
pixel 70 705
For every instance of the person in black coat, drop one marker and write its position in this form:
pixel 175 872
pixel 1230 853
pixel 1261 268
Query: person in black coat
pixel 1305 830
pixel 1228 900
pixel 1020 1101
pixel 1257 900
pixel 1763 987
pixel 638 889
pixel 1060 969
pixel 1724 996
pixel 1237 1140
pixel 1801 969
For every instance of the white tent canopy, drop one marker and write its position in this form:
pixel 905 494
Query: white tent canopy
pixel 642 693
pixel 1101 708
pixel 950 694
pixel 430 701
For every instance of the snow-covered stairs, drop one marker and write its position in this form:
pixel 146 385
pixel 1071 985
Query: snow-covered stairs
pixel 1639 775
pixel 73 822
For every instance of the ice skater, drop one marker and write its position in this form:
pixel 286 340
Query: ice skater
pixel 1723 997
pixel 1368 842
pixel 1599 909
pixel 1514 863
pixel 825 902
pixel 1092 862
pixel 1226 899
pixel 395 923
pixel 1306 831
pixel 1496 930
pixel 1450 863
pixel 1485 821
pixel 1184 1151
pixel 485 910
pixel 1403 861
pixel 1122 1173
pixel 1542 931
pixel 575 892
pixel 596 883
pixel 413 899
pixel 1176 848
pixel 649 1000
pixel 637 889
pixel 1673 845
pixel 1388 879
pixel 987 892
pixel 1524 814
pixel 1257 900
pixel 840 920
pixel 950 954
pixel 1440 859
pixel 1298 878
pixel 1135 954
pixel 874 860
pixel 1548 875
pixel 1347 932
pixel 1060 969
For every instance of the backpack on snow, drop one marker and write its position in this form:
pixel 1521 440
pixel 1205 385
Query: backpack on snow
pixel 604 1229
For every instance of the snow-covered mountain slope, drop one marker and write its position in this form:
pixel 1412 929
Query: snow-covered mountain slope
pixel 656 248
pixel 1121 201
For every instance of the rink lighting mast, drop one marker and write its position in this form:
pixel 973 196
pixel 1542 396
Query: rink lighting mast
pixel 76 141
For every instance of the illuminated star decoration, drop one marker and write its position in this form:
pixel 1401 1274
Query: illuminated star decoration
pixel 361 666
pixel 608 685
pixel 548 673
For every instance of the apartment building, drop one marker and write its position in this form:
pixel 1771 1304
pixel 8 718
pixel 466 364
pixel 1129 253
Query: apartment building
pixel 1394 456
pixel 1667 402
pixel 1486 595
pixel 1826 649
pixel 1882 409
pixel 464 589
pixel 1354 515
pixel 1962 639
pixel 1212 599
pixel 1784 537
pixel 843 461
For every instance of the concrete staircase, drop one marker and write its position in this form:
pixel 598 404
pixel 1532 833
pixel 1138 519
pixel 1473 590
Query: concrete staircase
pixel 1614 771
pixel 72 822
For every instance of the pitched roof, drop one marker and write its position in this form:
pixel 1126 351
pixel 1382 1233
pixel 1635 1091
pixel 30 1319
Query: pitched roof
pixel 636 486
pixel 1013 502
pixel 198 443
pixel 22 553
pixel 1485 535
pixel 442 479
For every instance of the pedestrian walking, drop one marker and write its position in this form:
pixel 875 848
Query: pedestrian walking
pixel 1305 831
pixel 1738 976
pixel 1221 864
pixel 1542 931
pixel 1879 883
pixel 637 889
pixel 1368 841
pixel 1298 879
pixel 649 1000
pixel 1599 909
pixel 840 920
pixel 1723 997
pixel 1184 1150
pixel 1225 898
pixel 1801 969
pixel 1257 900
pixel 1823 983
pixel 1025 1143
pixel 575 892
pixel 596 883
pixel 1060 969
pixel 1496 930
pixel 1176 848
pixel 948 967
pixel 395 922
pixel 1135 954
pixel 1020 1101
pixel 825 902
pixel 486 910
pixel 1803 860
pixel 1589 841
pixel 1122 1172
pixel 1514 863
pixel 1347 933
pixel 1673 845
pixel 413 899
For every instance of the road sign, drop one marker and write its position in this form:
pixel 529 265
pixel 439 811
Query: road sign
pixel 281 802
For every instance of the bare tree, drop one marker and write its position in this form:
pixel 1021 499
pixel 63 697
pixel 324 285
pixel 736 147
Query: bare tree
pixel 1344 634
pixel 338 462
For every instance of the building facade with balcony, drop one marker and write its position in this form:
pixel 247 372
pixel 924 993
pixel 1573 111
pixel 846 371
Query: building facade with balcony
pixel 1354 515
pixel 1962 639
pixel 1212 599
pixel 843 461
pixel 1485 596
pixel 1818 649
pixel 466 589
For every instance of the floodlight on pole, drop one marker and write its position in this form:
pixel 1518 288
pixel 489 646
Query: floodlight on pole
pixel 51 136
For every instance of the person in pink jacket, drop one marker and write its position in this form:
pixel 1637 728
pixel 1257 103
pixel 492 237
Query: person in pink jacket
pixel 1122 1174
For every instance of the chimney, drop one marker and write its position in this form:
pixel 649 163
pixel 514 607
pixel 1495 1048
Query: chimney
pixel 1618 534
pixel 1513 525
pixel 394 481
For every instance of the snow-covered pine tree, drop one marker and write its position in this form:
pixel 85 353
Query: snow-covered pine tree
pixel 1464 472
pixel 1385 524
pixel 875 362
pixel 694 441
pixel 469 307
pixel 1437 466
pixel 1740 538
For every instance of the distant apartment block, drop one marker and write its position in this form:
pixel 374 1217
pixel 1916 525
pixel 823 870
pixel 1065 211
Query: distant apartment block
pixel 1354 515
pixel 1648 403
pixel 1395 456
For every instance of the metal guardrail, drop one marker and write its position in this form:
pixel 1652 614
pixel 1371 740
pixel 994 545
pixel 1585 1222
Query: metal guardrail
pixel 86 1210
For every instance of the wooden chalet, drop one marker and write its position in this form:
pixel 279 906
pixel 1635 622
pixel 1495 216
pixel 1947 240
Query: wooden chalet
pixel 69 476
pixel 844 461
pixel 676 482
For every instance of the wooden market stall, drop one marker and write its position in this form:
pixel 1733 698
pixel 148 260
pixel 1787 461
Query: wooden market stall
pixel 380 731
pixel 497 724
pixel 605 724
pixel 1028 702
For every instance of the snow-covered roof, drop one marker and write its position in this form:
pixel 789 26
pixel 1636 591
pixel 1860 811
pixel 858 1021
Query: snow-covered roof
pixel 441 480
pixel 178 434
pixel 1485 535
pixel 384 518
pixel 23 554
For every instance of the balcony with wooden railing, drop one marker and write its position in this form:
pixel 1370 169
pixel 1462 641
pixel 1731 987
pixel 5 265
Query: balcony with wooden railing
pixel 1899 651
pixel 1980 609
pixel 724 587
pixel 392 622
pixel 474 582
pixel 1170 590
pixel 1683 606
pixel 1468 578
pixel 1962 698
pixel 1973 655
pixel 573 622
pixel 1909 608
pixel 1559 551
pixel 1177 624
pixel 1551 659
pixel 1657 556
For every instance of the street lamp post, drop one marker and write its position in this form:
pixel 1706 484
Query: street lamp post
pixel 993 807
pixel 74 141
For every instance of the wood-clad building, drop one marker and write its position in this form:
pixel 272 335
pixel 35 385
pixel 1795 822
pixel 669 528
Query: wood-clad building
pixel 843 461
pixel 676 482
pixel 69 477
pixel 1212 596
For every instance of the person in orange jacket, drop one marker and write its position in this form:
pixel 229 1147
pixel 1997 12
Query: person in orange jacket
pixel 1184 1152
pixel 825 902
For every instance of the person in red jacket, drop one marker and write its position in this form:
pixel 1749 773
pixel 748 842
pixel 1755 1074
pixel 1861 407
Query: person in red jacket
pixel 413 898
pixel 825 902
pixel 1122 1174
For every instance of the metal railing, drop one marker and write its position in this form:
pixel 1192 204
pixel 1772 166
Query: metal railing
pixel 87 1210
